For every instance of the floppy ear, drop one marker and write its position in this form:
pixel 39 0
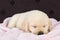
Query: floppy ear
pixel 49 29
pixel 25 26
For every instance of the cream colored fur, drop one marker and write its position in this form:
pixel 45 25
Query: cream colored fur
pixel 32 21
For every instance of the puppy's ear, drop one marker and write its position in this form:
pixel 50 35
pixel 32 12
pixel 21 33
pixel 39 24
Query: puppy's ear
pixel 25 26
pixel 49 28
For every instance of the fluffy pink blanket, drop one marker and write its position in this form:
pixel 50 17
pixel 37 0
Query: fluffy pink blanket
pixel 16 34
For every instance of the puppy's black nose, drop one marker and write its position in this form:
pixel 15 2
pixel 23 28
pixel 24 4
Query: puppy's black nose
pixel 40 33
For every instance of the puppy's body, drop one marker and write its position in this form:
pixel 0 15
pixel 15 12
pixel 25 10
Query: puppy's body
pixel 33 21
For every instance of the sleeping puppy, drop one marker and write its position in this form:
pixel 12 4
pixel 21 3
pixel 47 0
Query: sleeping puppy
pixel 34 21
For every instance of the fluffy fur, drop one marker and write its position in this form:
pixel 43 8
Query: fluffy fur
pixel 34 21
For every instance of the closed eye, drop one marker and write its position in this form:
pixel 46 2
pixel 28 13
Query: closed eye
pixel 44 26
pixel 34 26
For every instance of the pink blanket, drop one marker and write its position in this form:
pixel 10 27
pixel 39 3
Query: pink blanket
pixel 16 34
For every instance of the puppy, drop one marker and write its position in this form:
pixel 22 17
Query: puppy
pixel 34 21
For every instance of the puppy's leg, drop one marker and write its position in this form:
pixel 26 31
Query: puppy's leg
pixel 26 26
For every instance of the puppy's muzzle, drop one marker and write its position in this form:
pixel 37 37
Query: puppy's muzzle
pixel 40 33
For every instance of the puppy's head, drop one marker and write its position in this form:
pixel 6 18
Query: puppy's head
pixel 39 27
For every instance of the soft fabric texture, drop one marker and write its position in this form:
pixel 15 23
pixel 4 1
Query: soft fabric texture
pixel 16 34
